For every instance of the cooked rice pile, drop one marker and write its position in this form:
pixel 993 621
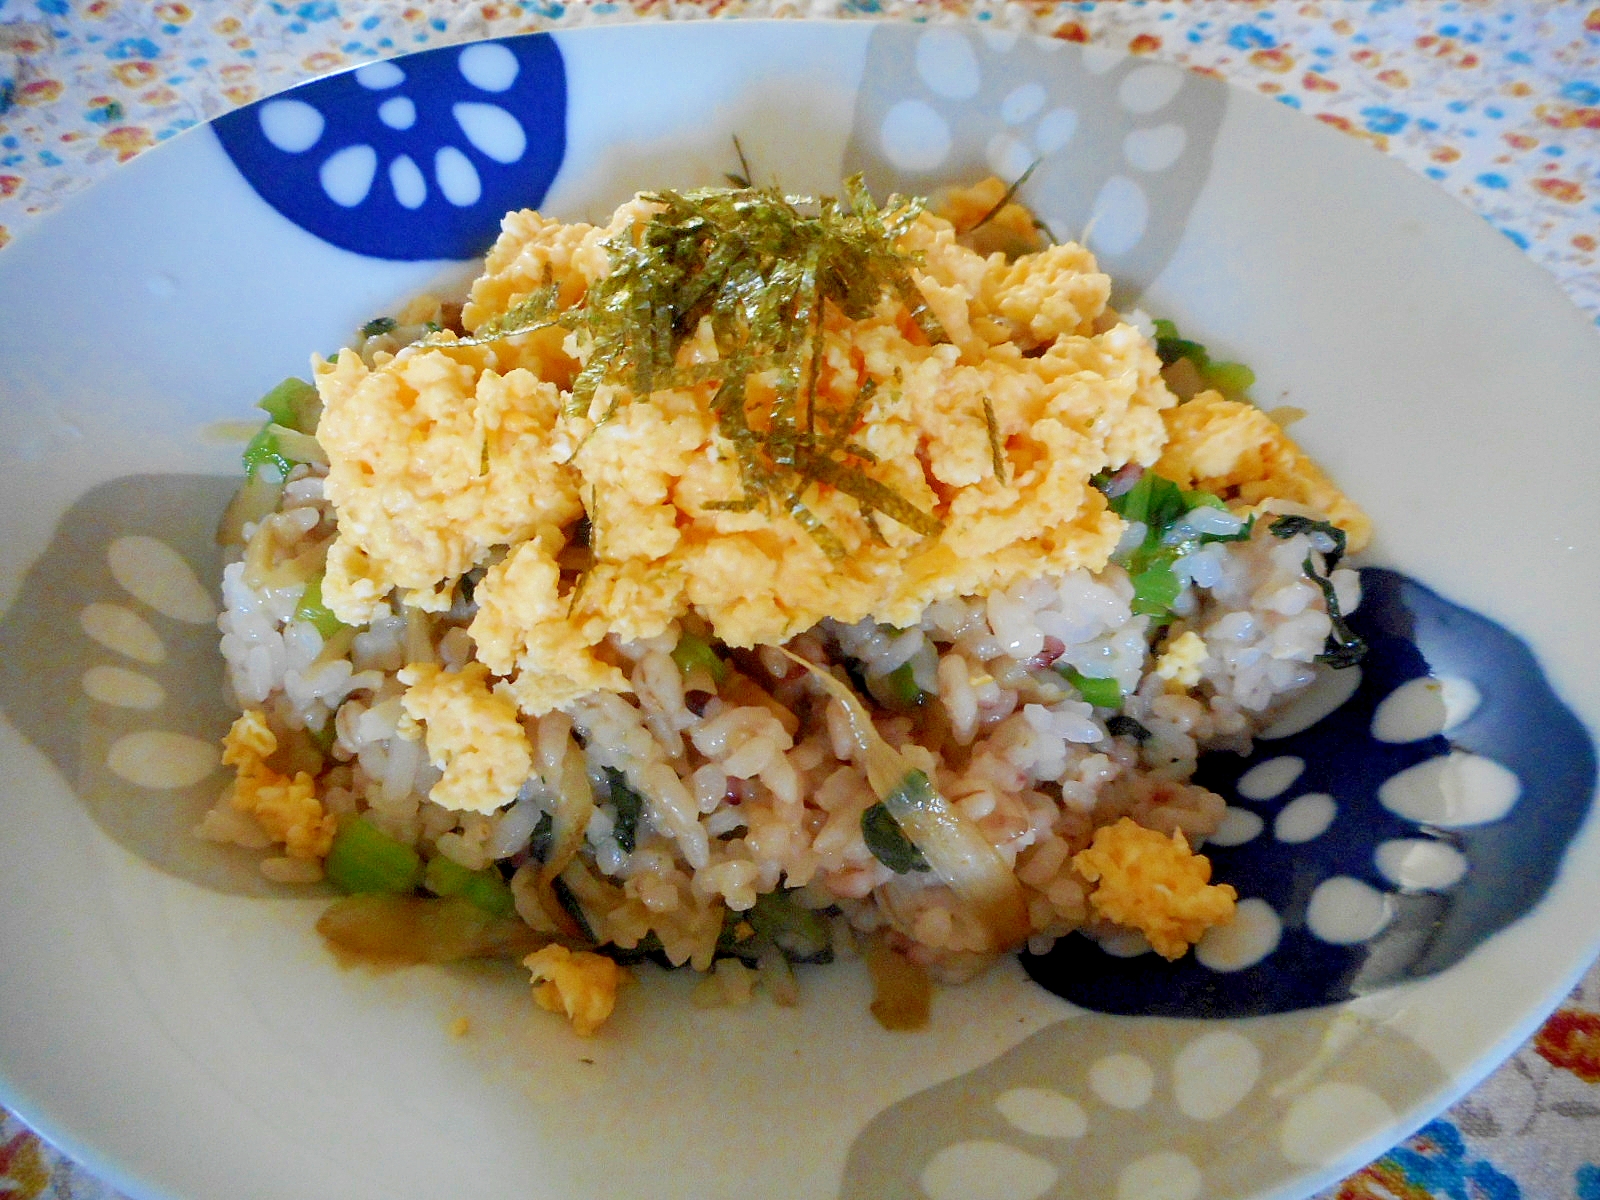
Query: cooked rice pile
pixel 532 638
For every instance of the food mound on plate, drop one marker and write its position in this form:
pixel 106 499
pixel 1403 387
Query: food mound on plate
pixel 755 579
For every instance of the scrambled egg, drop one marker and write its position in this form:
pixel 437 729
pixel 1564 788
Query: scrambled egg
pixel 471 732
pixel 287 810
pixel 1180 661
pixel 446 452
pixel 1236 451
pixel 580 984
pixel 457 454
pixel 1154 884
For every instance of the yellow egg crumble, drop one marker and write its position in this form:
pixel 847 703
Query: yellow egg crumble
pixel 287 809
pixel 1155 884
pixel 575 982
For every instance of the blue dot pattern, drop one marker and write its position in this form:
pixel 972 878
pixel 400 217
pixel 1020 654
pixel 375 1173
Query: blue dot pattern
pixel 1520 723
pixel 379 225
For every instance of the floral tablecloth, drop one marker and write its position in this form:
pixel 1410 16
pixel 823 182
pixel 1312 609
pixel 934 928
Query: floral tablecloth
pixel 1496 100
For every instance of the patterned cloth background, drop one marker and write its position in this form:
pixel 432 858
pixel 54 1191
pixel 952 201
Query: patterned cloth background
pixel 1496 100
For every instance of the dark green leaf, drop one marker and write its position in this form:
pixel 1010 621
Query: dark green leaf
pixel 629 805
pixel 1287 527
pixel 539 840
pixel 1122 725
pixel 1155 589
pixel 1153 501
pixel 802 934
pixel 888 842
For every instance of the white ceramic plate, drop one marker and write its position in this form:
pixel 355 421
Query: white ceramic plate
pixel 187 1038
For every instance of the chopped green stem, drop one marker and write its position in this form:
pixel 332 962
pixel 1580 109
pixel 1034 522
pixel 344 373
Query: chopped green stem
pixel 365 859
pixel 1098 691
pixel 484 889
pixel 311 608
pixel 904 691
pixel 692 651
pixel 294 404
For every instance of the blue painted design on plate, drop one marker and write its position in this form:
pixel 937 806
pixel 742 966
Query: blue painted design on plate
pixel 412 159
pixel 1519 723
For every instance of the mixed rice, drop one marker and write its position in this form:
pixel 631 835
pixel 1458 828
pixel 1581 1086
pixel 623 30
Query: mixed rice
pixel 545 644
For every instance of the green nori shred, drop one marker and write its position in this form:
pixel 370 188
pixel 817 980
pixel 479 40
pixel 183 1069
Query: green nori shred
pixel 744 175
pixel 996 451
pixel 629 805
pixel 1344 647
pixel 888 842
pixel 1010 195
pixel 763 268
pixel 379 326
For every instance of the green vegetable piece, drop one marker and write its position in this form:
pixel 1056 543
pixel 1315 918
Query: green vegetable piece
pixel 1160 504
pixel 1154 501
pixel 692 651
pixel 326 736
pixel 365 859
pixel 802 934
pixel 483 889
pixel 629 805
pixel 888 842
pixel 1171 346
pixel 281 448
pixel 1098 691
pixel 378 326
pixel 312 609
pixel 1231 378
pixel 290 404
pixel 902 687
pixel 1155 590
pixel 264 450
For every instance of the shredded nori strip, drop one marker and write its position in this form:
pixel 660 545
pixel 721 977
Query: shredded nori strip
pixel 765 269
pixel 1344 647
pixel 996 451
pixel 1287 527
pixel 1010 195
